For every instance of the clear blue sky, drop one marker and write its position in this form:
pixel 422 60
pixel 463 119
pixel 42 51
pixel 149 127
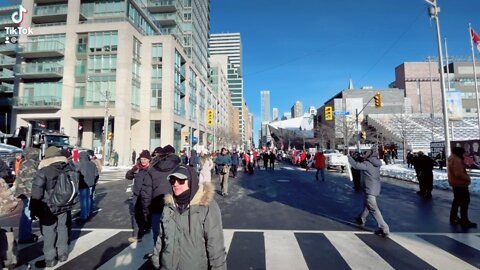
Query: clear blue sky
pixel 307 50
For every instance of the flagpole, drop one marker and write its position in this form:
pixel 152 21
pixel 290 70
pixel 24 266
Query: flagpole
pixel 475 77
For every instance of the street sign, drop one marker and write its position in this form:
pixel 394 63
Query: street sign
pixel 341 113
pixel 210 138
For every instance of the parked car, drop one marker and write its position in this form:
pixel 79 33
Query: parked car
pixel 335 159
pixel 7 154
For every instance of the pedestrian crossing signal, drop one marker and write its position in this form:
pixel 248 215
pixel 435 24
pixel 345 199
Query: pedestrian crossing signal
pixel 328 113
pixel 378 100
pixel 210 117
pixel 363 134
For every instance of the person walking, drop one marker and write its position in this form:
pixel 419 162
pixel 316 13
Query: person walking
pixel 459 180
pixel 98 164
pixel 194 161
pixel 370 177
pixel 272 158
pixel 23 189
pixel 319 160
pixel 191 235
pixel 235 163
pixel 138 173
pixel 88 177
pixel 52 217
pixel 265 156
pixel 156 185
pixel 424 165
pixel 206 167
pixel 224 161
pixel 115 158
pixel 134 157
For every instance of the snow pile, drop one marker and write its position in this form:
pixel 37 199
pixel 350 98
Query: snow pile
pixel 400 171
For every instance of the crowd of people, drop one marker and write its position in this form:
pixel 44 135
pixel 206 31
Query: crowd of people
pixel 173 197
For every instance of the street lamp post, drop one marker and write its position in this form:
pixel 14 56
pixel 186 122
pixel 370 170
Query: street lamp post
pixel 433 11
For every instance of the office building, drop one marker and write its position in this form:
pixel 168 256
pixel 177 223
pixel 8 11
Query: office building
pixel 229 45
pixel 275 114
pixel 143 64
pixel 265 106
pixel 297 109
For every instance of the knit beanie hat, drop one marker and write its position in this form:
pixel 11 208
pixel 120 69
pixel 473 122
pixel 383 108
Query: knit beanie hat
pixel 145 154
pixel 168 149
pixel 52 151
pixel 65 153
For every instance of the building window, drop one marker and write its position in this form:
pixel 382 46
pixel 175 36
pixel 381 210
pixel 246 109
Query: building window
pixel 103 41
pixel 155 133
pixel 156 100
pixel 157 52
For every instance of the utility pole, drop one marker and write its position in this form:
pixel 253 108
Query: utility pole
pixel 433 12
pixel 105 128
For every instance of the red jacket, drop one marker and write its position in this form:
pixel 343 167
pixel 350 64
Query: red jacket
pixel 319 160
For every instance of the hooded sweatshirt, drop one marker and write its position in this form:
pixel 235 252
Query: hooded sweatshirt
pixel 191 239
pixel 369 172
pixel 156 185
pixel 88 170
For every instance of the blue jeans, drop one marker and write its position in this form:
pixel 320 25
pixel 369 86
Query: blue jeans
pixel 92 198
pixel 85 203
pixel 322 174
pixel 25 226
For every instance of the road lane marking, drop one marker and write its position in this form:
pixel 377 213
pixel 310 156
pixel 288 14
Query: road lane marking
pixel 282 251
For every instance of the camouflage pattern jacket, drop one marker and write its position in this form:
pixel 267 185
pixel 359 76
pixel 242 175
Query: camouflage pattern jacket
pixel 23 182
pixel 8 202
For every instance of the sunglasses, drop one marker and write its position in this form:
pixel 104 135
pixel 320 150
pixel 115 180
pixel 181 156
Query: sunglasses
pixel 180 181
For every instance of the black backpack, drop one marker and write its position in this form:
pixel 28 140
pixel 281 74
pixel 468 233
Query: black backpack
pixel 65 191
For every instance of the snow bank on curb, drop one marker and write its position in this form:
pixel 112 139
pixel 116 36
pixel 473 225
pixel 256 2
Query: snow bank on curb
pixel 400 171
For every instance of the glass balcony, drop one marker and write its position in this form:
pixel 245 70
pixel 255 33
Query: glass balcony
pixel 6 61
pixel 46 48
pixel 6 88
pixel 40 70
pixel 37 102
pixel 181 88
pixel 82 48
pixel 50 13
pixel 155 6
pixel 7 75
pixel 168 19
pixel 8 49
pixel 6 20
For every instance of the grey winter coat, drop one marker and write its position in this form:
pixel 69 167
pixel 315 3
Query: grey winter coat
pixel 369 174
pixel 88 171
pixel 193 239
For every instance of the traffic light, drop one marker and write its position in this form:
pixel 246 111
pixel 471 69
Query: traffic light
pixel 328 113
pixel 378 100
pixel 210 117
pixel 363 134
pixel 110 135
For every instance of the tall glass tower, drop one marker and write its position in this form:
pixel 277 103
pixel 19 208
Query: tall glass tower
pixel 265 105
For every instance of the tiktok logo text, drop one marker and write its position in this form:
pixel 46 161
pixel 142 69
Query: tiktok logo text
pixel 17 16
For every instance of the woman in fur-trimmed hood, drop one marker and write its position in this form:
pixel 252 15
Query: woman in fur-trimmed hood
pixel 191 232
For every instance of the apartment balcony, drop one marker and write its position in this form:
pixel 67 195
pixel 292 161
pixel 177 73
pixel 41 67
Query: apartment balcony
pixel 156 6
pixel 6 88
pixel 168 19
pixel 50 14
pixel 8 49
pixel 7 75
pixel 50 1
pixel 181 88
pixel 40 71
pixel 6 61
pixel 6 21
pixel 39 49
pixel 37 102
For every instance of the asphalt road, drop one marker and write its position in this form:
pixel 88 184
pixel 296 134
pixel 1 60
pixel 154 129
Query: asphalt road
pixel 285 219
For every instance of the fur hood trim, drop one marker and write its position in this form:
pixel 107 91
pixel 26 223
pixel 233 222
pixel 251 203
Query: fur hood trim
pixel 49 161
pixel 203 196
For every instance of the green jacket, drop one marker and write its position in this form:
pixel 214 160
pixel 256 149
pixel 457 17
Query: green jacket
pixel 192 240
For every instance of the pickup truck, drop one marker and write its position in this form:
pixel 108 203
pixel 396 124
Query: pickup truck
pixel 7 154
pixel 335 159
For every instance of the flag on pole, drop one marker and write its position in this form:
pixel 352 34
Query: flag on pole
pixel 475 38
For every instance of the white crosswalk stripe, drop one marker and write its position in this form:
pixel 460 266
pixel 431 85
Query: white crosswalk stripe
pixel 283 249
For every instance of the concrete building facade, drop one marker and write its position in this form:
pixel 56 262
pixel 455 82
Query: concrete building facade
pixel 82 55
pixel 297 109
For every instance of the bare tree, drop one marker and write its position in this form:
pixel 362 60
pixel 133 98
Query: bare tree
pixel 345 130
